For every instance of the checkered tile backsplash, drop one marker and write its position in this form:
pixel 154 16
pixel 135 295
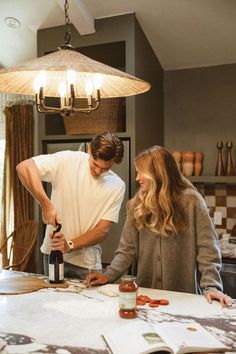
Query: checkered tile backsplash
pixel 220 197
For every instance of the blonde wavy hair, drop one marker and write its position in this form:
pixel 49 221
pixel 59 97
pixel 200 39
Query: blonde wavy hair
pixel 159 209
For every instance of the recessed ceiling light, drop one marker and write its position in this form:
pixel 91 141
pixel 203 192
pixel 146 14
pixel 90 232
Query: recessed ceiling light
pixel 12 22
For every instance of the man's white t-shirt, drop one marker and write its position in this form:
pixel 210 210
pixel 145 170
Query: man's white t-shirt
pixel 80 199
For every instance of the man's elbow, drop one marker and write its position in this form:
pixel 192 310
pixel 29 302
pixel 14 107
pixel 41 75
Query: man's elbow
pixel 22 166
pixel 104 229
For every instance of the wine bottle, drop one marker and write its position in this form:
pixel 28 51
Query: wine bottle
pixel 56 264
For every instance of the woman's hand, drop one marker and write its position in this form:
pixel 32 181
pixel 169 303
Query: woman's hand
pixel 221 297
pixel 96 279
pixel 58 242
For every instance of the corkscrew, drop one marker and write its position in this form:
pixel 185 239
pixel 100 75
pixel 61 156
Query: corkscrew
pixel 58 228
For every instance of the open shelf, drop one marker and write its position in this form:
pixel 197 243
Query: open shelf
pixel 213 179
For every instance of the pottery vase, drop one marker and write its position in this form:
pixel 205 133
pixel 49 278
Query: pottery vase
pixel 187 163
pixel 178 157
pixel 198 163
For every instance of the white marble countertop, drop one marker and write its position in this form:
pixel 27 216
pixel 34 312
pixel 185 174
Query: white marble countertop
pixel 71 320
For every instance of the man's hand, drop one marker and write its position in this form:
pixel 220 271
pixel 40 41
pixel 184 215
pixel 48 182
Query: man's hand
pixel 58 242
pixel 50 216
pixel 224 299
pixel 96 279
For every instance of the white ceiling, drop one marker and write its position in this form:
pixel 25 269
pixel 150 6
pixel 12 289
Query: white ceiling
pixel 183 33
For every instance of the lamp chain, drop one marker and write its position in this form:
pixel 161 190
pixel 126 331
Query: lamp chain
pixel 67 37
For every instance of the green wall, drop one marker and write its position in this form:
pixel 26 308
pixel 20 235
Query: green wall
pixel 200 109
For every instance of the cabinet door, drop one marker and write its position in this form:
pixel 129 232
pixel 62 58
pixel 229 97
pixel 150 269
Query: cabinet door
pixel 112 240
pixel 74 146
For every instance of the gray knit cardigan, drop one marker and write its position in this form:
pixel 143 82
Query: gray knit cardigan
pixel 188 262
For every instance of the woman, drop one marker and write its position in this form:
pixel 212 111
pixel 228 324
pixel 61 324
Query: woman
pixel 168 234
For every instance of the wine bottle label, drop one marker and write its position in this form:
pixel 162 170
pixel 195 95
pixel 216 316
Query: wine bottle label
pixel 127 300
pixel 61 271
pixel 52 272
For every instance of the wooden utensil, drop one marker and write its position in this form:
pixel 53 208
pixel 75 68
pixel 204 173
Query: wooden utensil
pixel 22 285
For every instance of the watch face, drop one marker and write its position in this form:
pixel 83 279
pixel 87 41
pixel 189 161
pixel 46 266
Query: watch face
pixel 70 244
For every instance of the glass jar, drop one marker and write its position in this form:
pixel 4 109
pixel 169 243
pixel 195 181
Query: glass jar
pixel 128 297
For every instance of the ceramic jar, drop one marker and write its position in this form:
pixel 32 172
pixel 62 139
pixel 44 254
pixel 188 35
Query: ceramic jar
pixel 187 163
pixel 198 163
pixel 178 158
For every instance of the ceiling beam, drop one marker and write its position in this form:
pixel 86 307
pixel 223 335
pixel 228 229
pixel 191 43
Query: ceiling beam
pixel 80 16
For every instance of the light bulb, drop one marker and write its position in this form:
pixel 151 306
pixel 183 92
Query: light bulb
pixel 89 87
pixel 70 75
pixel 62 93
pixel 62 89
pixel 40 80
pixel 98 81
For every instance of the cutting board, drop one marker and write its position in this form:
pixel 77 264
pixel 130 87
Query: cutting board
pixel 22 285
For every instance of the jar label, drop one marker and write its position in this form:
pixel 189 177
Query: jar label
pixel 52 272
pixel 127 300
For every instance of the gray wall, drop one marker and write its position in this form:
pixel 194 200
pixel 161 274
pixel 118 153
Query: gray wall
pixel 149 106
pixel 199 110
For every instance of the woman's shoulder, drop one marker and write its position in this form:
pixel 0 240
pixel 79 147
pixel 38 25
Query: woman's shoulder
pixel 193 197
pixel 130 203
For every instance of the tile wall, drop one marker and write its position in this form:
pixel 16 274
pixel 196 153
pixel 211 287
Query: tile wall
pixel 221 197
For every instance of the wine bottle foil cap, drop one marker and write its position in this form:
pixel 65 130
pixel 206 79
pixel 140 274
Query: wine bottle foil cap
pixel 128 278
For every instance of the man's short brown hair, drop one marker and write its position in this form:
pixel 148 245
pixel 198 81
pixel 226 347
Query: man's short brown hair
pixel 107 147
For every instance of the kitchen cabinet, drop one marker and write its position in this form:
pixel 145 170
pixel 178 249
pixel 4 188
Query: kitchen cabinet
pixel 228 275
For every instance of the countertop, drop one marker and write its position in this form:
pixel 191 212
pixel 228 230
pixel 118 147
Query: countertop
pixel 71 320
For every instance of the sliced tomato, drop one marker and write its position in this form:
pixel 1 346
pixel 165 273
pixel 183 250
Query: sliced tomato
pixel 163 302
pixel 141 302
pixel 155 301
pixel 144 298
pixel 153 304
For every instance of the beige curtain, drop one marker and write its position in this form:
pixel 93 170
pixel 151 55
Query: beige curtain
pixel 17 204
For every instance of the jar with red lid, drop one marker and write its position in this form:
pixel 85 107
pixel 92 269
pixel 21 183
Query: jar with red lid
pixel 128 297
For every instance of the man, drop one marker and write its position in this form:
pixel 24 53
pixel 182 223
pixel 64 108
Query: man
pixel 86 199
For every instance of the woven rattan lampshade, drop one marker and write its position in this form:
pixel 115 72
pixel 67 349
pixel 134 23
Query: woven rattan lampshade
pixel 115 83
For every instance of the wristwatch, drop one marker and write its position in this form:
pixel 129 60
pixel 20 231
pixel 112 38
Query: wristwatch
pixel 70 245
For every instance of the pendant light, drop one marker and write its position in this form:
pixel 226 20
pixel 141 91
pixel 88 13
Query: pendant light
pixel 70 76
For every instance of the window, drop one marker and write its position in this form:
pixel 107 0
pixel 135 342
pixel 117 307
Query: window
pixel 2 151
pixel 7 100
pixel 2 141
